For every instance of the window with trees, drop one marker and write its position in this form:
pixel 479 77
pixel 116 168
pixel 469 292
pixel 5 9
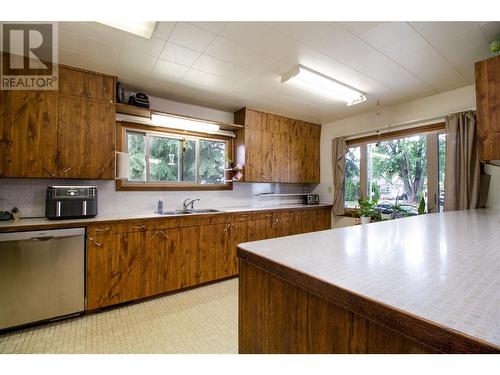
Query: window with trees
pixel 170 159
pixel 397 168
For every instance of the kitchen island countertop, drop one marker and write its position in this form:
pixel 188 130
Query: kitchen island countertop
pixel 443 268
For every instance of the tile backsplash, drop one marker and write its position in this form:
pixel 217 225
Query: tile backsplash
pixel 29 196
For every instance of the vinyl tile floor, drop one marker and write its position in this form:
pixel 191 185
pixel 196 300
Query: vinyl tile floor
pixel 200 320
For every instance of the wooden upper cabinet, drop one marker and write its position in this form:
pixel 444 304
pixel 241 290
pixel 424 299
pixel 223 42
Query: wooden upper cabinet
pixel 86 138
pixel 274 148
pixel 67 133
pixel 28 133
pixel 88 85
pixel 488 108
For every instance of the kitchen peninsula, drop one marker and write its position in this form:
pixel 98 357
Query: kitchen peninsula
pixel 425 284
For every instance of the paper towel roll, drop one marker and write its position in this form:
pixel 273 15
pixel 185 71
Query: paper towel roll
pixel 122 165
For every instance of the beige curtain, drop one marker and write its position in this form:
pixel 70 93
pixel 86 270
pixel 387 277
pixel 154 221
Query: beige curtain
pixel 462 177
pixel 339 149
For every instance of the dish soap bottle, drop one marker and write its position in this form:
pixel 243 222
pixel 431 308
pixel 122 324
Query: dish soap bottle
pixel 160 206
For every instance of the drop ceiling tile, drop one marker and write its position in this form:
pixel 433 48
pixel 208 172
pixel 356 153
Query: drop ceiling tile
pixel 213 27
pixel 397 78
pixel 152 47
pixel 457 49
pixel 236 54
pixel 70 57
pixel 167 69
pixel 327 38
pixel 490 30
pixel 260 38
pixel 163 29
pixel 68 40
pixel 371 61
pixel 179 54
pixel 135 65
pixel 68 26
pixel 405 45
pixel 221 68
pixel 102 33
pixel 211 81
pixel 431 68
pixel 386 33
pixel 191 36
pixel 358 28
pixel 435 32
pixel 95 48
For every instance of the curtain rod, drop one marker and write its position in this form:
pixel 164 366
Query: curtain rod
pixel 404 124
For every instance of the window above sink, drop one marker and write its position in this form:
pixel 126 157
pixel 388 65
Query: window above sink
pixel 165 159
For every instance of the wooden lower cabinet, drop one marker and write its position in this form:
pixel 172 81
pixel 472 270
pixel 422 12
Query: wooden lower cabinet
pixel 128 264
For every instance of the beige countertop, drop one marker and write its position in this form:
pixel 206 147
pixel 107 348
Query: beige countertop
pixel 30 222
pixel 444 268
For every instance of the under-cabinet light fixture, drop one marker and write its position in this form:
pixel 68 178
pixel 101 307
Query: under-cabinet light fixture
pixel 184 123
pixel 317 82
pixel 141 28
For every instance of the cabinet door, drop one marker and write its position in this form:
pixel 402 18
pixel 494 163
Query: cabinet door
pixel 259 229
pixel 258 147
pixel 28 134
pixel 214 241
pixel 87 85
pixel 103 271
pixel 238 233
pixel 86 139
pixel 179 264
pixel 488 108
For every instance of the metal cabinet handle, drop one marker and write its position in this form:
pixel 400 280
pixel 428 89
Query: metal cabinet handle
pixel 66 170
pixel 138 227
pixel 49 172
pixel 102 230
pixel 234 226
pixel 164 234
pixel 269 215
pixel 276 219
pixel 227 227
pixel 95 242
pixel 41 238
pixel 154 235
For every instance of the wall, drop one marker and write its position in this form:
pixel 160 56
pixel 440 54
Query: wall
pixel 431 106
pixel 29 194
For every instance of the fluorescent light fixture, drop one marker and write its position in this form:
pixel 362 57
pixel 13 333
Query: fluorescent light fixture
pixel 184 123
pixel 323 85
pixel 141 28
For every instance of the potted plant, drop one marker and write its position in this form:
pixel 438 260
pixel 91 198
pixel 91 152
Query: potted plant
pixel 367 210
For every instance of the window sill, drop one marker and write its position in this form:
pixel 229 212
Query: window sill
pixel 124 186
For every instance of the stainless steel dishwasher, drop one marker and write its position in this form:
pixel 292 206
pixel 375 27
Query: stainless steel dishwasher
pixel 41 275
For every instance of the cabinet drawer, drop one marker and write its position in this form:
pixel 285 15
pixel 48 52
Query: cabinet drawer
pixel 103 229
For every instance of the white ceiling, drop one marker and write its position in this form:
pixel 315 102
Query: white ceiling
pixel 228 65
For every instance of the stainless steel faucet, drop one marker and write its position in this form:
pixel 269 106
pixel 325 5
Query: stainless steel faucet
pixel 189 202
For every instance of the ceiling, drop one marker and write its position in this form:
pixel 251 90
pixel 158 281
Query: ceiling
pixel 228 65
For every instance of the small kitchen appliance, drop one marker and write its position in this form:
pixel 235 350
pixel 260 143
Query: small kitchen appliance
pixel 71 202
pixel 311 199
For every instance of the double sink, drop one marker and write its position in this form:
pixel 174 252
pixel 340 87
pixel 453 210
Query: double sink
pixel 187 212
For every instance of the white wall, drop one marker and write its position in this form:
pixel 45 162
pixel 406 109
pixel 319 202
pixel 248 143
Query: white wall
pixel 431 106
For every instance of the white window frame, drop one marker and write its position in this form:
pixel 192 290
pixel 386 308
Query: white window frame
pixel 432 167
